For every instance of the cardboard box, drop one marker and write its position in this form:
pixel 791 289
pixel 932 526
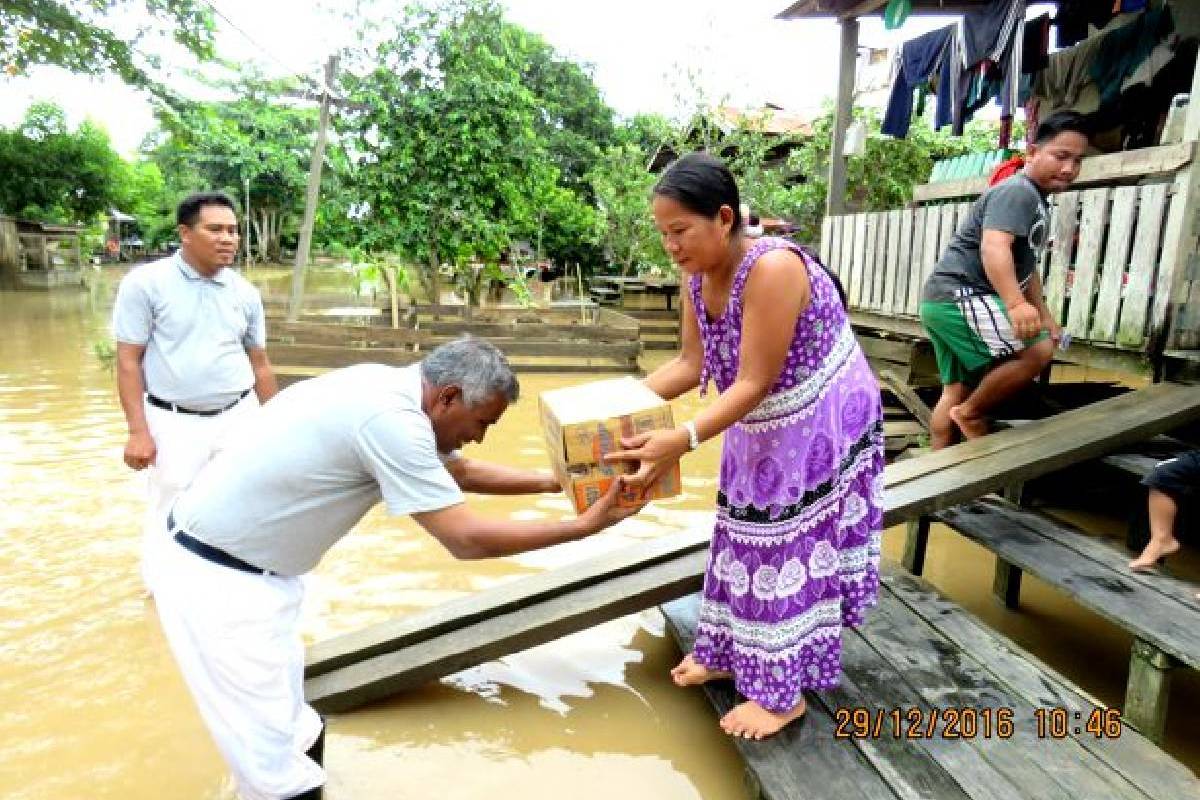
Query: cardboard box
pixel 583 423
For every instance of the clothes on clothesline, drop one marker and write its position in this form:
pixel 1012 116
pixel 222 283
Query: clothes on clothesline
pixel 919 59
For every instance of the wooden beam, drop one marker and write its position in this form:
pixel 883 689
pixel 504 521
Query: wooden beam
pixel 1127 165
pixel 907 397
pixel 835 201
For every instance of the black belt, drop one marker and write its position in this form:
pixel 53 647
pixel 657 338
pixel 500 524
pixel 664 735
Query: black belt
pixel 211 412
pixel 209 553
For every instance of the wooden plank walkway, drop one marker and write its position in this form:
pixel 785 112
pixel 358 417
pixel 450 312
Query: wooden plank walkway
pixel 921 654
pixel 376 663
pixel 1161 612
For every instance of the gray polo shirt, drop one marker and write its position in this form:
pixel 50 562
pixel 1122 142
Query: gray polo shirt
pixel 1014 206
pixel 313 461
pixel 196 331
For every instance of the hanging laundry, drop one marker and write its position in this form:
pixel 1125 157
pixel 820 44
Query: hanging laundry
pixel 1035 46
pixel 990 50
pixel 919 59
pixel 1121 51
pixel 1074 17
pixel 1066 83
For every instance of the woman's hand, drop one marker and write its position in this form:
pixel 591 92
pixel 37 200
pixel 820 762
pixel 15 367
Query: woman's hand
pixel 655 451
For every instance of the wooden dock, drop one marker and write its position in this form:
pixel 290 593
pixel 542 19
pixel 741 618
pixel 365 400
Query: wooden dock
pixel 369 665
pixel 1161 612
pixel 932 704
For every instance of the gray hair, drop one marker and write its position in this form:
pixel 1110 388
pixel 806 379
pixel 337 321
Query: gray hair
pixel 475 366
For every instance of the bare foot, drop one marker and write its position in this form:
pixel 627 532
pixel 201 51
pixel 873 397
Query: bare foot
pixel 691 672
pixel 971 427
pixel 1153 552
pixel 751 721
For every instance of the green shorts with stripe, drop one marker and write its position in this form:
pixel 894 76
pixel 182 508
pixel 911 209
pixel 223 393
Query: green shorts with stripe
pixel 969 335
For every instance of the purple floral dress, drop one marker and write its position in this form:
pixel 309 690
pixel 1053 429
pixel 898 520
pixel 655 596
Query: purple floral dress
pixel 795 550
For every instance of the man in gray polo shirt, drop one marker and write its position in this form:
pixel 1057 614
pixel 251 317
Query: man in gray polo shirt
pixel 191 341
pixel 267 508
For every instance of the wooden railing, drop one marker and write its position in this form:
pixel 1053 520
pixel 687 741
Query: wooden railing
pixel 1107 274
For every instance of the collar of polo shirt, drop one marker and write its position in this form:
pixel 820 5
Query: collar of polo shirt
pixel 192 274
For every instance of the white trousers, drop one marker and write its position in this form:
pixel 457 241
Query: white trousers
pixel 184 444
pixel 236 638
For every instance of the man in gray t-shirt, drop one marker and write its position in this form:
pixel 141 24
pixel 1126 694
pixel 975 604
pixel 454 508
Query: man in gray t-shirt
pixel 266 509
pixel 982 306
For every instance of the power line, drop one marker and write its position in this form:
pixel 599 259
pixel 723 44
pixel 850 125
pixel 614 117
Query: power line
pixel 292 72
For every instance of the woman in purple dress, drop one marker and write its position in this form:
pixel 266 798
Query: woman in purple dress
pixel 795 552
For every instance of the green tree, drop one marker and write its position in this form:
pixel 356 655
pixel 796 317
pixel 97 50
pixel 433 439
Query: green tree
pixel 449 162
pixel 622 185
pixel 76 35
pixel 48 172
pixel 255 137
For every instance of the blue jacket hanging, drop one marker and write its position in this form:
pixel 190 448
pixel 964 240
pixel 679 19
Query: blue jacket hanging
pixel 919 59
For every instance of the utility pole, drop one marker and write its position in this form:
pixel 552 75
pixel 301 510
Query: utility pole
pixel 246 232
pixel 310 200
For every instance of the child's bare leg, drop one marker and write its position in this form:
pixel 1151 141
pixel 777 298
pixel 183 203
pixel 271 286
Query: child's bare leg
pixel 1163 509
pixel 998 385
pixel 942 432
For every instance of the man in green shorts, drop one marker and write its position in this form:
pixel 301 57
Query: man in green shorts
pixel 982 306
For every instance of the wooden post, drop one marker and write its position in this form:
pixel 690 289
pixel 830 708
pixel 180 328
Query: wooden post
pixel 1168 326
pixel 1147 690
pixel 915 542
pixel 835 201
pixel 1006 585
pixel 310 199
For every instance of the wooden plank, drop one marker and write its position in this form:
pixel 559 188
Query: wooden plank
pixel 1177 246
pixel 394 634
pixel 933 243
pixel 1141 763
pixel 883 248
pixel 942 676
pixel 1135 311
pixel 904 259
pixel 912 292
pixel 846 264
pixel 1167 624
pixel 949 223
pixel 922 485
pixel 835 247
pixel 466 646
pixel 1116 260
pixel 1091 235
pixel 805 754
pixel 859 264
pixel 826 236
pixel 897 245
pixel 1065 223
pixel 880 349
pixel 916 543
pixel 1111 167
pixel 862 298
pixel 907 397
pixel 1169 399
pixel 1098 551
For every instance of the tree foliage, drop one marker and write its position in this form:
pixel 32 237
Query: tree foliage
pixel 78 36
pixel 465 142
pixel 51 173
pixel 257 137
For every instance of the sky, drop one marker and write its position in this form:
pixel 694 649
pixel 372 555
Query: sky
pixel 641 51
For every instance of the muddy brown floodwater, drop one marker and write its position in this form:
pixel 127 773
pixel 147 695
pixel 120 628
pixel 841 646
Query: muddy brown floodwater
pixel 91 705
